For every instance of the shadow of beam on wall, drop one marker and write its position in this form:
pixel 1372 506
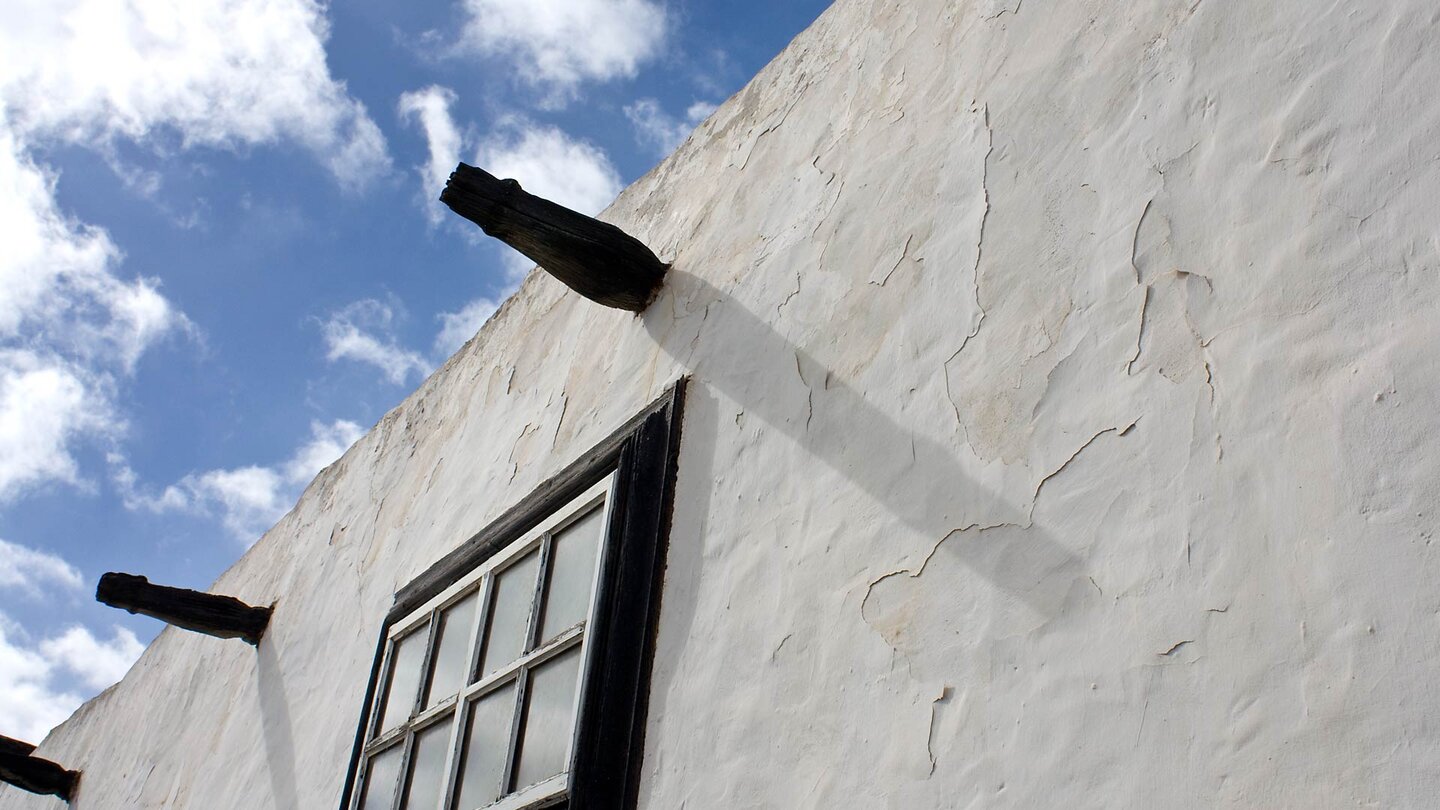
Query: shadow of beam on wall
pixel 276 727
pixel 917 479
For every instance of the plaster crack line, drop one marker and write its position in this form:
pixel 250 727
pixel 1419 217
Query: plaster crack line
pixel 944 697
pixel 1135 268
pixel 838 191
pixel 1118 431
pixel 809 393
pixel 1002 12
pixel 1135 240
pixel 1176 648
pixel 1214 409
pixel 916 572
pixel 780 646
pixel 984 220
pixel 904 251
pixel 975 273
pixel 1139 333
pixel 772 127
pixel 564 406
pixel 791 295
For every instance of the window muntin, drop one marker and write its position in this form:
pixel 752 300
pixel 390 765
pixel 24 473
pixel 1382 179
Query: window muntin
pixel 481 648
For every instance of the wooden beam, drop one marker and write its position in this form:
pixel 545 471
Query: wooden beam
pixel 219 616
pixel 593 258
pixel 19 767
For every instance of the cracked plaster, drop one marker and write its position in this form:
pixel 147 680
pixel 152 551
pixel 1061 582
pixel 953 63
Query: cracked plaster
pixel 1140 296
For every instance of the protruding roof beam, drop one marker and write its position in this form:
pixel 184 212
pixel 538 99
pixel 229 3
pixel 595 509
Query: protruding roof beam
pixel 19 767
pixel 219 616
pixel 593 258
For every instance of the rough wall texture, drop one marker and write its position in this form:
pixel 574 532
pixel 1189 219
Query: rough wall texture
pixel 1066 383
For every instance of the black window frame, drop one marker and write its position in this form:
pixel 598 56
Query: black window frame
pixel 609 745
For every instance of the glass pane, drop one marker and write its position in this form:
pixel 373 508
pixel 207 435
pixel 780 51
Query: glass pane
pixel 487 747
pixel 572 570
pixel 510 613
pixel 380 779
pixel 549 708
pixel 404 679
pixel 452 650
pixel 427 768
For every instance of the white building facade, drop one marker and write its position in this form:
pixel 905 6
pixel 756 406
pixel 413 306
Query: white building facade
pixel 1059 385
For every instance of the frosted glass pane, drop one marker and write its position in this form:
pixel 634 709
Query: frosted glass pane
pixel 404 680
pixel 380 779
pixel 572 570
pixel 510 613
pixel 452 650
pixel 487 747
pixel 549 709
pixel 427 768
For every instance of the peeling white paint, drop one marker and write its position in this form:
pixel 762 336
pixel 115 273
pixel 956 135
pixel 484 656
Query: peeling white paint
pixel 1127 453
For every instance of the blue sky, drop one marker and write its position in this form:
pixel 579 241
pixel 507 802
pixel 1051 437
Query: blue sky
pixel 224 261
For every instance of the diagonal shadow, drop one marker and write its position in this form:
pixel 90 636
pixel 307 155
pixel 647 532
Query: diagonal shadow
pixel 279 735
pixel 917 479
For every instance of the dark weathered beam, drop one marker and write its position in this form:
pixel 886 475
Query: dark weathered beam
pixel 19 767
pixel 220 616
pixel 593 258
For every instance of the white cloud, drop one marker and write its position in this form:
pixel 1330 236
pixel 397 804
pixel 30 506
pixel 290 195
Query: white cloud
pixel 557 44
pixel 545 160
pixel 26 569
pixel 126 482
pixel 30 705
pixel 551 164
pixel 247 500
pixel 220 73
pixel 46 405
pixel 98 663
pixel 430 108
pixel 660 130
pixel 327 443
pixel 364 332
pixel 458 327
pixel 32 699
pixel 93 73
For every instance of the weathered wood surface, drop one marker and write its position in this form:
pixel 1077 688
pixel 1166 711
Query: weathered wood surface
pixel 593 258
pixel 220 616
pixel 19 767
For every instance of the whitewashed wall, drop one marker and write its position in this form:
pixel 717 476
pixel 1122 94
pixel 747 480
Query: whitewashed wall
pixel 1063 434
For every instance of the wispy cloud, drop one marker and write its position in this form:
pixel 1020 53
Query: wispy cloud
pixel 661 131
pixel 93 74
pixel 458 327
pixel 551 163
pixel 365 333
pixel 219 74
pixel 430 108
pixel 545 160
pixel 47 404
pixel 98 663
pixel 26 570
pixel 246 500
pixel 32 697
pixel 557 45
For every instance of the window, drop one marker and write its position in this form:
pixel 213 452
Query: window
pixel 514 673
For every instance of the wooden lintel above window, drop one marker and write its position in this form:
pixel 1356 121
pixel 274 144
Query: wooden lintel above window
pixel 593 258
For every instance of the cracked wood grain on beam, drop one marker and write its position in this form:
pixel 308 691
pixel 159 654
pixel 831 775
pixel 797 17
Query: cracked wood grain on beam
pixel 593 258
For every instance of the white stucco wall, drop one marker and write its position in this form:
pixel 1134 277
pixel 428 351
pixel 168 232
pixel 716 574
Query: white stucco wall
pixel 1062 434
